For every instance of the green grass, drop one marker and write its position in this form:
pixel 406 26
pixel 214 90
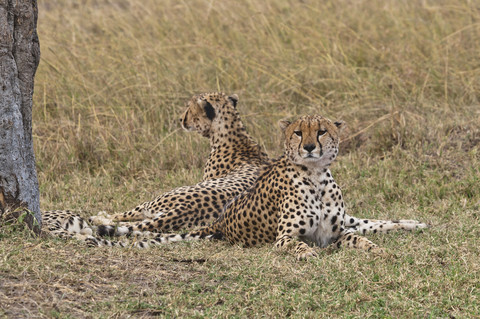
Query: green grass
pixel 113 81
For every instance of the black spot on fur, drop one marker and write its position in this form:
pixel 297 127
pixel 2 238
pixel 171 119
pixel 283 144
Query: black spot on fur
pixel 334 220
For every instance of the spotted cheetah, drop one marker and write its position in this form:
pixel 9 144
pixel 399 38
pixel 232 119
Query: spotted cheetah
pixel 294 199
pixel 213 115
pixel 233 166
pixel 234 161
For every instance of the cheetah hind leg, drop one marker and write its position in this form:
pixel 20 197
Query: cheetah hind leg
pixel 147 239
pixel 137 214
pixel 181 217
pixel 103 218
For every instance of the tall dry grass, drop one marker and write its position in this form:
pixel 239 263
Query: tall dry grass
pixel 115 75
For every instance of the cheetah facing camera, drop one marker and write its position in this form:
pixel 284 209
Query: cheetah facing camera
pixel 294 199
pixel 233 166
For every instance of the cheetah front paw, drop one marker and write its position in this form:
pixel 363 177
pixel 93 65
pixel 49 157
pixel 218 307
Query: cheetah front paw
pixel 307 254
pixel 377 251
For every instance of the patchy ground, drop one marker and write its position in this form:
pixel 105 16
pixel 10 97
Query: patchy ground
pixel 434 272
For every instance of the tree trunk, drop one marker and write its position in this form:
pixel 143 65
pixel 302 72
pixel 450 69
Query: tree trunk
pixel 19 57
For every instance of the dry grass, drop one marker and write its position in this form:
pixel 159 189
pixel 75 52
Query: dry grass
pixel 113 80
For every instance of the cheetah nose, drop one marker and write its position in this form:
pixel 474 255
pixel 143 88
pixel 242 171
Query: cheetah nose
pixel 309 147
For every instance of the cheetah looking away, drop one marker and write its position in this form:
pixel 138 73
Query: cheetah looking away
pixel 295 198
pixel 233 165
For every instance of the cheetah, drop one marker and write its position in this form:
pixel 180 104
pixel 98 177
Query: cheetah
pixel 214 116
pixel 234 163
pixel 295 199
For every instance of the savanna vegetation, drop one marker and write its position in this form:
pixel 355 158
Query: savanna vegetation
pixel 113 80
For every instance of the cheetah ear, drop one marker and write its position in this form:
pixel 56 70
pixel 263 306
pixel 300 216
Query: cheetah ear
pixel 284 124
pixel 208 108
pixel 234 99
pixel 339 124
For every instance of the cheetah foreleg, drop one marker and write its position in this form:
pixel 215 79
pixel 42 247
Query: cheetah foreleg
pixel 351 240
pixel 302 250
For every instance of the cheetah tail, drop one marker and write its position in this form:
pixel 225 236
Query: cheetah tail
pixel 158 239
pixel 364 226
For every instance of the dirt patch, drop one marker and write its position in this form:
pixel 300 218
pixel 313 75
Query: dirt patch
pixel 45 278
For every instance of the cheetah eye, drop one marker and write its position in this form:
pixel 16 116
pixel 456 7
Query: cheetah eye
pixel 321 132
pixel 298 133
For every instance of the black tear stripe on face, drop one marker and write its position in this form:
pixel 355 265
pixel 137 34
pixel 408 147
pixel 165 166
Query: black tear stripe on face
pixel 301 139
pixel 209 111
pixel 320 146
pixel 318 140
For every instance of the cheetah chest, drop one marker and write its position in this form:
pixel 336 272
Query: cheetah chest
pixel 322 219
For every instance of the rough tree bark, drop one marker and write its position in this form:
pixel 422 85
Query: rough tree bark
pixel 19 57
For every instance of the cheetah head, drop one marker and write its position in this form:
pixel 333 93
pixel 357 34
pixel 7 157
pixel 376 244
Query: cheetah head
pixel 311 141
pixel 204 109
